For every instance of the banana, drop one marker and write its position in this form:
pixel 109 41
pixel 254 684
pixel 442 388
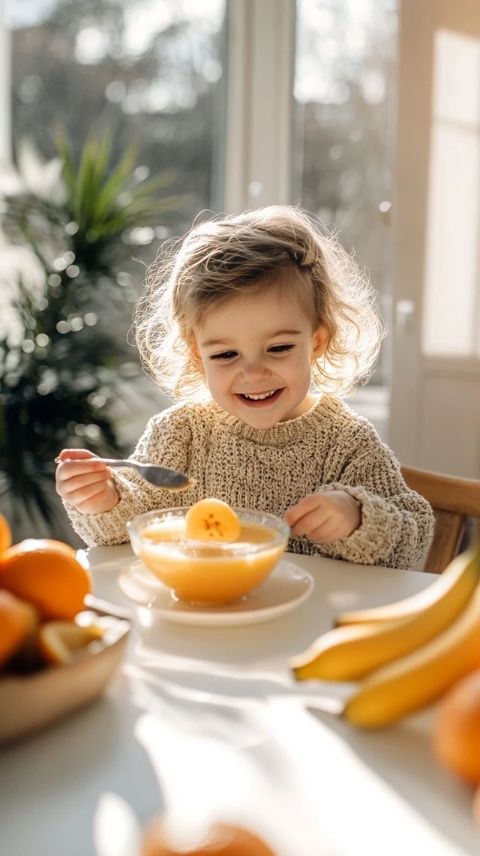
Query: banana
pixel 212 520
pixel 350 652
pixel 418 679
pixel 453 587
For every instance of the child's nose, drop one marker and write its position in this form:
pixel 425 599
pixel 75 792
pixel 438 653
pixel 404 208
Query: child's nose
pixel 254 368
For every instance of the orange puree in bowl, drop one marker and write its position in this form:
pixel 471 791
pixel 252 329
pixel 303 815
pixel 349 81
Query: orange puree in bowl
pixel 209 572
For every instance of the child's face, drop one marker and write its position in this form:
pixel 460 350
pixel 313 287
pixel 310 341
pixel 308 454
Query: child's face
pixel 257 352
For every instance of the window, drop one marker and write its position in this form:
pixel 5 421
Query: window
pixel 343 121
pixel 452 327
pixel 151 71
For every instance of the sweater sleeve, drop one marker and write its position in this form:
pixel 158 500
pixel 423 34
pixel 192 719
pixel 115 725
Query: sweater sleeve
pixel 397 523
pixel 166 441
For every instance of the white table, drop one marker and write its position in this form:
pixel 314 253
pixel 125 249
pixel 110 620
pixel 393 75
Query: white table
pixel 207 720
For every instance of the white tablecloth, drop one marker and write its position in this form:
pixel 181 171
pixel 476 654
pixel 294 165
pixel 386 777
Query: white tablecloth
pixel 207 722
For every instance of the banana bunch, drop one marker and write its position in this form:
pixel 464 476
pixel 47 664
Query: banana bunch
pixel 406 653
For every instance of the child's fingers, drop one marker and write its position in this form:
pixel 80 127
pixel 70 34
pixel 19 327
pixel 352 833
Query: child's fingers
pixel 68 470
pixel 305 506
pixel 96 503
pixel 329 531
pixel 73 455
pixel 70 485
pixel 85 482
pixel 314 520
pixel 84 495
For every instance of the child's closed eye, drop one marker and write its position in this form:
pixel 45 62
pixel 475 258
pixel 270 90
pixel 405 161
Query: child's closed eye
pixel 279 349
pixel 224 355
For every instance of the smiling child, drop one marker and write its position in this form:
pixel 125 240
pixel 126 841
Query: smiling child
pixel 259 324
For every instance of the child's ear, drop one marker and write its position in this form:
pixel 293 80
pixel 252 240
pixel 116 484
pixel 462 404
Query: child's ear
pixel 195 357
pixel 320 341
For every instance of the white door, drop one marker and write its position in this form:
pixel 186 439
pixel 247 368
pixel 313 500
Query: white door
pixel 435 396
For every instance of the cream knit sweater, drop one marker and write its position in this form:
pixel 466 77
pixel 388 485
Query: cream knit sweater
pixel 270 470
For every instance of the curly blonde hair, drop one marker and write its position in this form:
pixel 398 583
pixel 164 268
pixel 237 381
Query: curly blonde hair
pixel 280 245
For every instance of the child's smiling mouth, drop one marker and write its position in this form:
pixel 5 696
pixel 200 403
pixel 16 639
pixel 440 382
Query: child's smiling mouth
pixel 259 399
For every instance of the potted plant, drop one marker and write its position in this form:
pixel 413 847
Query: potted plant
pixel 64 356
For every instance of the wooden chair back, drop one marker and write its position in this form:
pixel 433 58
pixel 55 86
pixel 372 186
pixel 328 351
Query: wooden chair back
pixel 453 500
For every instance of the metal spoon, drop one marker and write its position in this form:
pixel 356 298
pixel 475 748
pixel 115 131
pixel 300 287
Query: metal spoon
pixel 153 473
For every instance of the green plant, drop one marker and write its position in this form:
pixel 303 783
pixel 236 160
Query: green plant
pixel 65 354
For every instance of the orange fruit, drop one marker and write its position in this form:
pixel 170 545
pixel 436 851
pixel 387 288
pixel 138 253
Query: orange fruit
pixel 457 729
pixel 55 545
pixel 221 839
pixel 47 574
pixel 18 621
pixel 60 642
pixel 5 533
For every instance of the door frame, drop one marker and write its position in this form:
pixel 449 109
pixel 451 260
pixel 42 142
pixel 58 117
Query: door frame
pixel 414 375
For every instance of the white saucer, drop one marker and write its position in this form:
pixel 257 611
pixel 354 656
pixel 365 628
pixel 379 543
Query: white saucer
pixel 286 588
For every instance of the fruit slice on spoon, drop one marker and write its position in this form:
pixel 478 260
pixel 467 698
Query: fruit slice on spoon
pixel 212 520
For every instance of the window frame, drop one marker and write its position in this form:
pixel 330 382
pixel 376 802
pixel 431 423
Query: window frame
pixel 259 103
pixel 5 86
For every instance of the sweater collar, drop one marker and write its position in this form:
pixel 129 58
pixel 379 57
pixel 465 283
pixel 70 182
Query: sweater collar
pixel 283 433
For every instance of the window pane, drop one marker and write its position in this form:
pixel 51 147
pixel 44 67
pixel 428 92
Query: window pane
pixel 344 89
pixel 149 70
pixel 451 327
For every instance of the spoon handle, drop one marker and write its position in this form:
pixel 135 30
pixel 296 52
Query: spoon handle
pixel 104 607
pixel 155 474
pixel 117 462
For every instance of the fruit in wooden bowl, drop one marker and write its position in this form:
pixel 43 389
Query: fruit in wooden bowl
pixel 29 702
pixel 55 655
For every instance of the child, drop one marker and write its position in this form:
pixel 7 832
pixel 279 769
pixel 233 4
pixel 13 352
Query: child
pixel 258 323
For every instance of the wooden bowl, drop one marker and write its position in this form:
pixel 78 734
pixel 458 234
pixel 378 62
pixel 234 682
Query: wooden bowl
pixel 31 702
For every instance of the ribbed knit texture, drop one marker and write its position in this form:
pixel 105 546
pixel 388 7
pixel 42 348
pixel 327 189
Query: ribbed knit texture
pixel 327 448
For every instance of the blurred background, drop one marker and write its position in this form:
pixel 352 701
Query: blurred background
pixel 123 120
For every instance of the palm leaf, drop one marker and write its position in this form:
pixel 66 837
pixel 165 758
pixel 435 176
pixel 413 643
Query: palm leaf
pixel 68 167
pixel 108 194
pixel 48 392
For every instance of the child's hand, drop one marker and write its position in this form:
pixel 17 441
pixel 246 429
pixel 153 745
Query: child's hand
pixel 85 482
pixel 325 517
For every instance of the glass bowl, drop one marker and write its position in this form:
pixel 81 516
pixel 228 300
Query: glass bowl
pixel 207 572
